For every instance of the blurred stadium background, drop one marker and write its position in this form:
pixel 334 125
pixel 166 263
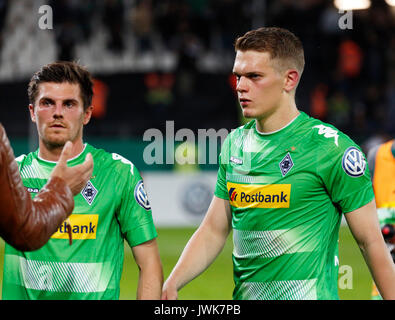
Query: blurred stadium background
pixel 170 60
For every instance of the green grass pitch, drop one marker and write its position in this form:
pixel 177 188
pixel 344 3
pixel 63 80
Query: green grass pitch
pixel 217 281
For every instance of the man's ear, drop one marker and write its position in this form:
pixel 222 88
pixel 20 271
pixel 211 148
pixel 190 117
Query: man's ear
pixel 87 115
pixel 32 115
pixel 291 79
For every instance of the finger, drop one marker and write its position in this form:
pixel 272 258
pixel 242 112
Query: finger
pixel 172 297
pixel 66 152
pixel 88 163
pixel 169 295
pixel 68 226
pixel 86 168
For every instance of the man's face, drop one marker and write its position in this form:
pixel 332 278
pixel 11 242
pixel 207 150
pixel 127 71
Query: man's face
pixel 59 114
pixel 259 84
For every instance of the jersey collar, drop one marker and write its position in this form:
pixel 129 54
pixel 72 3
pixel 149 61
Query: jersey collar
pixel 71 161
pixel 288 127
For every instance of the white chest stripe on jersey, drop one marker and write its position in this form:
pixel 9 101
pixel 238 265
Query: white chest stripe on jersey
pixel 56 276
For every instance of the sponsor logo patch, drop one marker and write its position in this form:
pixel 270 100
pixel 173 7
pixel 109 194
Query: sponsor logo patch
pixel 232 194
pixel 259 196
pixel 83 226
pixel 353 162
pixel 141 196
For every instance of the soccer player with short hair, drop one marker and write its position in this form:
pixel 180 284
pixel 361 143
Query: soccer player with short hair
pixel 112 206
pixel 284 181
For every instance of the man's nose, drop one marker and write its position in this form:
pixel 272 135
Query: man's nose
pixel 58 112
pixel 242 84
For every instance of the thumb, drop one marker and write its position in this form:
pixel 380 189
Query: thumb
pixel 66 152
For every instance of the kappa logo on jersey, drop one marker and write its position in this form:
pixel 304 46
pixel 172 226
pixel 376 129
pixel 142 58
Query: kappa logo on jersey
pixel 328 132
pixel 286 164
pixel 116 156
pixel 89 192
pixel 353 162
pixel 236 160
pixel 83 226
pixel 259 196
pixel 141 196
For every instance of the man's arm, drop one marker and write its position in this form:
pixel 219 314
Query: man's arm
pixel 365 228
pixel 202 249
pixel 27 224
pixel 148 261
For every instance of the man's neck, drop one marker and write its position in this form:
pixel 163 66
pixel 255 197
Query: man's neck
pixel 278 119
pixel 53 154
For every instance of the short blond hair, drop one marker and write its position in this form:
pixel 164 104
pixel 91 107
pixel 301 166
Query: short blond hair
pixel 280 43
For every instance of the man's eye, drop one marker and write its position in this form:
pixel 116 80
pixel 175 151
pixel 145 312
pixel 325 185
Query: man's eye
pixel 46 103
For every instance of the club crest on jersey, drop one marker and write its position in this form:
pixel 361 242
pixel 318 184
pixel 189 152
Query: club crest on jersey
pixel 89 192
pixel 286 164
pixel 353 162
pixel 141 196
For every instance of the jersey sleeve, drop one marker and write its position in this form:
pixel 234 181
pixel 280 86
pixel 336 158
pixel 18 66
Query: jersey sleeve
pixel 221 190
pixel 345 174
pixel 134 213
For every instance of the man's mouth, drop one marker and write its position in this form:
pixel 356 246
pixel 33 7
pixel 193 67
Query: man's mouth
pixel 244 102
pixel 57 126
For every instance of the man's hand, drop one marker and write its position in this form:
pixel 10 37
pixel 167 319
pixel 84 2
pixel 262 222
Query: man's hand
pixel 202 249
pixel 75 177
pixel 169 292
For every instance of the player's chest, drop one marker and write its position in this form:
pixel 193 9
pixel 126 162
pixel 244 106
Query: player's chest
pixel 99 194
pixel 272 180
pixel 272 164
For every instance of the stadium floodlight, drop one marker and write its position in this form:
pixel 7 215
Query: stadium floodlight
pixel 390 2
pixel 352 4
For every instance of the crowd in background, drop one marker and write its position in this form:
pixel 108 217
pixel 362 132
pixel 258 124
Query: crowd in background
pixel 349 78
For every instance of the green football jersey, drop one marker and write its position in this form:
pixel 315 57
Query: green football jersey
pixel 287 191
pixel 113 206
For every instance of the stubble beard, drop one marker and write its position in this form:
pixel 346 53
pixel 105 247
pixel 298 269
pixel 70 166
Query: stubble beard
pixel 58 142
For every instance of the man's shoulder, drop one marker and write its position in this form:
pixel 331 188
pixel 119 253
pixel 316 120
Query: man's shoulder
pixel 241 131
pixel 26 159
pixel 111 160
pixel 328 136
pixel 247 126
pixel 21 158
